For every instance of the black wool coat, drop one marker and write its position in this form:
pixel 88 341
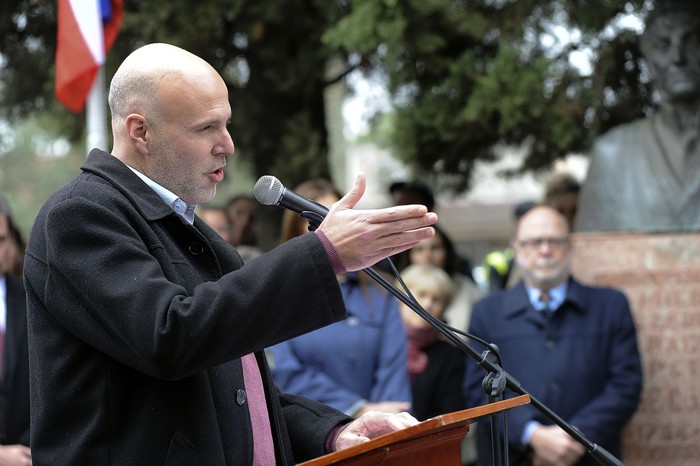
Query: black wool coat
pixel 438 389
pixel 137 321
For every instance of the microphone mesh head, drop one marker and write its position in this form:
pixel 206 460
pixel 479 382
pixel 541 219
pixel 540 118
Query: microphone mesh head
pixel 267 190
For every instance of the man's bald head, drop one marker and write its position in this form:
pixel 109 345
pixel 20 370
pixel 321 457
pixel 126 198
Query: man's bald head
pixel 544 215
pixel 138 83
pixel 170 114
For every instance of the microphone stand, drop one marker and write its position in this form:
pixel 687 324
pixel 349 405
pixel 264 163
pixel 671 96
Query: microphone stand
pixel 497 379
pixel 494 385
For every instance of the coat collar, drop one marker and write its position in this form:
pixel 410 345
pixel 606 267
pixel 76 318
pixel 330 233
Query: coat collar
pixel 115 172
pixel 516 302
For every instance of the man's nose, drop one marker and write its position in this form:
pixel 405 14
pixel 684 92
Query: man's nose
pixel 226 147
pixel 545 245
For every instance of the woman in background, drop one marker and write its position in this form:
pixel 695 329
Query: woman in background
pixel 561 191
pixel 435 366
pixel 355 365
pixel 439 251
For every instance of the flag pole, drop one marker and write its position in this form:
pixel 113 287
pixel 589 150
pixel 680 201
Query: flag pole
pixel 96 114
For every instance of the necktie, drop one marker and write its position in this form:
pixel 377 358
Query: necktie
pixel 264 447
pixel 545 301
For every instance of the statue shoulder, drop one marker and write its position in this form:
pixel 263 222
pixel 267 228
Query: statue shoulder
pixel 621 141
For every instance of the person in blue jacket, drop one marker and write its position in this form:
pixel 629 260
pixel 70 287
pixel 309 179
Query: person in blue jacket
pixel 572 346
pixel 355 365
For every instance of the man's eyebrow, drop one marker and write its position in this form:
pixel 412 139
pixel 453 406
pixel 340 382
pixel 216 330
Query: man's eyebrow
pixel 204 122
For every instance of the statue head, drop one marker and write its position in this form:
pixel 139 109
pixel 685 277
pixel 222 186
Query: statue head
pixel 671 47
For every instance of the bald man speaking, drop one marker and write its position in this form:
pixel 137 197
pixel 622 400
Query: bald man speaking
pixel 145 331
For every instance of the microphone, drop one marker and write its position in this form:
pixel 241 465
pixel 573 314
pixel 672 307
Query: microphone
pixel 268 190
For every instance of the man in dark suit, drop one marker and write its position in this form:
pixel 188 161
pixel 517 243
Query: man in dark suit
pixel 14 360
pixel 146 333
pixel 572 346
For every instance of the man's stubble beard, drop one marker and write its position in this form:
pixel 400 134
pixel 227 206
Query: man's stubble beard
pixel 163 159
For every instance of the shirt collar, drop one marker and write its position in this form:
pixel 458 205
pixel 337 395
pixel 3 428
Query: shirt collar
pixel 175 203
pixel 556 296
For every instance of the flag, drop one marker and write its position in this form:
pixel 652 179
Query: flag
pixel 86 31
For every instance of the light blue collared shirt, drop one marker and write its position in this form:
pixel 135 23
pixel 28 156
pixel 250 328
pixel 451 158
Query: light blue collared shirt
pixel 175 203
pixel 556 296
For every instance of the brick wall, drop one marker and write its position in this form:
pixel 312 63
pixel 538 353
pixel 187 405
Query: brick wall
pixel 660 274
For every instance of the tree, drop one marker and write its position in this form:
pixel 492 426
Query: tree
pixel 36 163
pixel 27 51
pixel 466 76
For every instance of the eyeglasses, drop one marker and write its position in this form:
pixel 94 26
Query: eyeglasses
pixel 536 243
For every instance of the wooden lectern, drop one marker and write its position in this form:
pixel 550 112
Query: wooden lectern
pixel 437 441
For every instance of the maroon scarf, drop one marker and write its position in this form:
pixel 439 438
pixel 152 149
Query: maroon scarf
pixel 419 338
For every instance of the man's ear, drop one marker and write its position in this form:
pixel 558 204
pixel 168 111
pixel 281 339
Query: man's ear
pixel 139 132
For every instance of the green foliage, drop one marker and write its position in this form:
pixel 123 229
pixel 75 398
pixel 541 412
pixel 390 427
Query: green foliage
pixel 463 76
pixel 39 162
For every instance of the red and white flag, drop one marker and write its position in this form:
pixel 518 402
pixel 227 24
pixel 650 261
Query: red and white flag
pixel 86 31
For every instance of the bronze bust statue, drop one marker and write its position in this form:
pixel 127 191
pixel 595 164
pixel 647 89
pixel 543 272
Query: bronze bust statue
pixel 645 175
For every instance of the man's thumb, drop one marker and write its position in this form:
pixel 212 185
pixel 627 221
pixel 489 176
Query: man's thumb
pixel 355 194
